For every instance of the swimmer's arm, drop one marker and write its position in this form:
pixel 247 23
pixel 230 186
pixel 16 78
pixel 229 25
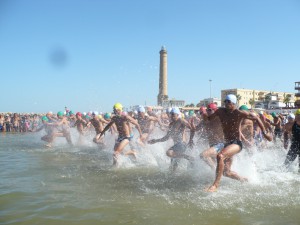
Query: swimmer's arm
pixel 192 133
pixel 261 125
pixel 160 139
pixel 165 138
pixel 285 139
pixel 105 129
pixel 286 134
pixel 275 124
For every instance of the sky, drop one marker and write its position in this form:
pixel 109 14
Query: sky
pixel 88 55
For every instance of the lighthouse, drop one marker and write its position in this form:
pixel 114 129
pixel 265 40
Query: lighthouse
pixel 163 77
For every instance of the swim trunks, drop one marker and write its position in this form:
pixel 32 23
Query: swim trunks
pixel 237 142
pixel 218 147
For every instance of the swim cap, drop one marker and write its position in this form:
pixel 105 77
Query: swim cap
pixel 244 107
pixel 297 112
pixel 191 113
pixel 60 113
pixel 176 110
pixel 291 116
pixel 231 98
pixel 168 110
pixel 106 116
pixel 202 109
pixel 78 114
pixel 71 113
pixel 212 106
pixel 118 106
pixel 100 116
pixel 261 112
pixel 141 109
pixel 45 118
pixel 273 114
pixel 84 113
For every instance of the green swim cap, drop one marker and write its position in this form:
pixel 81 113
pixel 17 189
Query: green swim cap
pixel 244 107
pixel 191 112
pixel 45 118
pixel 273 114
pixel 71 113
pixel 60 113
pixel 106 116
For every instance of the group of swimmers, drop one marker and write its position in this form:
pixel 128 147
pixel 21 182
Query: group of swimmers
pixel 227 130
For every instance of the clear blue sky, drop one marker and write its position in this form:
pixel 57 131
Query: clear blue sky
pixel 90 54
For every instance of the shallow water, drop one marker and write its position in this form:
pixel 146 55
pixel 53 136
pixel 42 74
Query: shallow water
pixel 77 185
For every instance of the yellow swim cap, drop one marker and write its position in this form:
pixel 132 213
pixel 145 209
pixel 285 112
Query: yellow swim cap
pixel 297 112
pixel 118 106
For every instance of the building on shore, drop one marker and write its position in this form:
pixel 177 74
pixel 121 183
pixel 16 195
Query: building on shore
pixel 206 101
pixel 297 94
pixel 261 99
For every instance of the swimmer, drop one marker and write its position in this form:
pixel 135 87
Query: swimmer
pixel 176 131
pixel 122 122
pixel 231 119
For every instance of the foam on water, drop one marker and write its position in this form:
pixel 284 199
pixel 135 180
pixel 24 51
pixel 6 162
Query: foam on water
pixel 81 177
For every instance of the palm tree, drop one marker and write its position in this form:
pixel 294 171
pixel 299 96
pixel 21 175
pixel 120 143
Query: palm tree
pixel 251 102
pixel 268 98
pixel 238 98
pixel 190 105
pixel 287 99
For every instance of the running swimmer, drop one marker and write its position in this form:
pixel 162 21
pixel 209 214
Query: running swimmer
pixel 176 131
pixel 231 119
pixel 122 122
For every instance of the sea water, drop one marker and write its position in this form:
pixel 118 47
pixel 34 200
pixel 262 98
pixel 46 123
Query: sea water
pixel 78 185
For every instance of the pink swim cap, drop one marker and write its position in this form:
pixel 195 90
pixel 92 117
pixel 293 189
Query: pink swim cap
pixel 212 106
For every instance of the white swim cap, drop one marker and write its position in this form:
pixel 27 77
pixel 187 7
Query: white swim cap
pixel 231 98
pixel 84 113
pixel 291 116
pixel 261 112
pixel 176 110
pixel 141 109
